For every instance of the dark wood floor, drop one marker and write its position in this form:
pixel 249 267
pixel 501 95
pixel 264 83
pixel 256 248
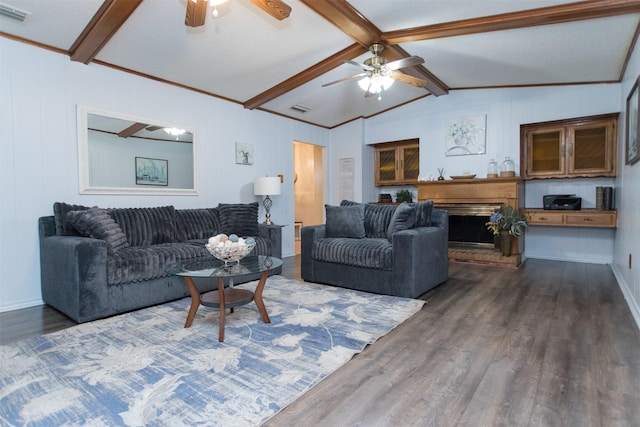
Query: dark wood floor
pixel 550 344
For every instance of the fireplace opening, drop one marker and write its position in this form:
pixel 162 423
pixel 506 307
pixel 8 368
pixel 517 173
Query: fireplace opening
pixel 467 224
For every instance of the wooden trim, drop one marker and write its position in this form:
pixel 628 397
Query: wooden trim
pixel 522 19
pixel 104 24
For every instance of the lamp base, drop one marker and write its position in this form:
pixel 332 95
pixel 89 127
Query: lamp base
pixel 267 207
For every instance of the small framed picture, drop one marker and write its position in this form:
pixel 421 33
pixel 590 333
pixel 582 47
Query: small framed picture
pixel 633 124
pixel 244 153
pixel 152 171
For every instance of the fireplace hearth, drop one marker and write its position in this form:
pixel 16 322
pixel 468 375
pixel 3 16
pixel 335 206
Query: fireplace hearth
pixel 470 203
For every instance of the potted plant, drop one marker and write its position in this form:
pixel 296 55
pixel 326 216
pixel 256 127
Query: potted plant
pixel 404 196
pixel 506 222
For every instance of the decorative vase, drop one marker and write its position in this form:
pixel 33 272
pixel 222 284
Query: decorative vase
pixel 496 243
pixel 505 243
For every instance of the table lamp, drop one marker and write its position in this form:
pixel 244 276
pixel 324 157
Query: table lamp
pixel 267 186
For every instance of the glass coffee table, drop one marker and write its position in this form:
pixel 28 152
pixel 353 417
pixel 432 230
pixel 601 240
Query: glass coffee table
pixel 226 296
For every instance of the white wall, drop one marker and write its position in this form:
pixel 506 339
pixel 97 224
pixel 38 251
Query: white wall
pixel 627 239
pixel 39 93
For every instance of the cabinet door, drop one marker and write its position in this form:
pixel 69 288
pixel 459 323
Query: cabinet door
pixel 545 152
pixel 409 163
pixel 591 149
pixel 386 161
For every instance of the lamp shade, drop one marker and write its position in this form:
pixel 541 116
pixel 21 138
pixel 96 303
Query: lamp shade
pixel 266 186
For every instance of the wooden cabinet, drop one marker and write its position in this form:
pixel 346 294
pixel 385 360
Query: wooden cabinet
pixel 581 218
pixel 397 162
pixel 572 148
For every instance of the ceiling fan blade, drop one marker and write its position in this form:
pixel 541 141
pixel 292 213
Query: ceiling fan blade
pixel 196 13
pixel 358 64
pixel 154 128
pixel 410 80
pixel 405 62
pixel 346 79
pixel 276 8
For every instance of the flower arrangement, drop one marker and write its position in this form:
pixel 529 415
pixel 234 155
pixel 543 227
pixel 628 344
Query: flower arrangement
pixel 507 219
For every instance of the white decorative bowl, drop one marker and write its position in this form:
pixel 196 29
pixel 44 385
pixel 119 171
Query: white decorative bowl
pixel 230 253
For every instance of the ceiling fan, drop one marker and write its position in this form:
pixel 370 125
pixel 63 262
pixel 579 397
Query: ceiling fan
pixel 378 74
pixel 197 10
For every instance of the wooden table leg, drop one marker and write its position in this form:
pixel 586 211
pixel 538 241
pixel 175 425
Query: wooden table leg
pixel 258 297
pixel 222 309
pixel 195 301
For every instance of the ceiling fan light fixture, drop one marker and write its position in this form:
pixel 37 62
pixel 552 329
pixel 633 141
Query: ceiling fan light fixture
pixel 174 131
pixel 375 83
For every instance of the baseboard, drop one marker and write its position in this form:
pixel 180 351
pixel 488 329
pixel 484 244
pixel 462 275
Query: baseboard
pixel 23 304
pixel 628 296
pixel 569 259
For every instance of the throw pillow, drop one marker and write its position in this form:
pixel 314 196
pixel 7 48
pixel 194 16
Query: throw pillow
pixel 239 218
pixel 423 213
pixel 345 221
pixel 403 218
pixel 197 223
pixel 60 211
pixel 97 223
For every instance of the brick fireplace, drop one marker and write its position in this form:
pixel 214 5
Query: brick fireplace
pixel 470 202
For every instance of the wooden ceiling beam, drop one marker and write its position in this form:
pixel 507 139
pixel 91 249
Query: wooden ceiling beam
pixel 306 76
pixel 132 130
pixel 104 24
pixel 522 19
pixel 347 19
pixel 434 84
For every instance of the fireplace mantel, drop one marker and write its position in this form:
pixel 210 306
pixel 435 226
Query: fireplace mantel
pixel 497 191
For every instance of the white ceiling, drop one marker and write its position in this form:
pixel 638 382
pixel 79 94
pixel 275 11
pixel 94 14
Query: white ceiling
pixel 245 52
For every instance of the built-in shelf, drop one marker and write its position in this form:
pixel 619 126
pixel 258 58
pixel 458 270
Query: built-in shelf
pixel 581 218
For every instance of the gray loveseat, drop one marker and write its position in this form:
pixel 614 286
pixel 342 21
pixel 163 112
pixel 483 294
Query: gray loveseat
pixel 394 250
pixel 99 262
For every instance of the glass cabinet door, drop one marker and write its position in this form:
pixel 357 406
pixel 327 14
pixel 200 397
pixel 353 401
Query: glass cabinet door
pixel 410 163
pixel 546 152
pixel 386 160
pixel 589 149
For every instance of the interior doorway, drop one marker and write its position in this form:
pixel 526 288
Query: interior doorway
pixel 308 184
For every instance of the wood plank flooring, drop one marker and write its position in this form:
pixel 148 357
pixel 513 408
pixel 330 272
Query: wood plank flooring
pixel 550 344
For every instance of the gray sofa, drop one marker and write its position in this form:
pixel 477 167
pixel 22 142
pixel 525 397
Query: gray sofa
pixel 385 249
pixel 98 262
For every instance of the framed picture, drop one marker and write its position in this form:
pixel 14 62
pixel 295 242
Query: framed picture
pixel 466 135
pixel 633 125
pixel 152 171
pixel 244 154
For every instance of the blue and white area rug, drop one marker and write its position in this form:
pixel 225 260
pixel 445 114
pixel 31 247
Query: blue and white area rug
pixel 145 369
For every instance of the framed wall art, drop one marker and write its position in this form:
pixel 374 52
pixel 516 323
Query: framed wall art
pixel 244 154
pixel 152 171
pixel 466 135
pixel 633 125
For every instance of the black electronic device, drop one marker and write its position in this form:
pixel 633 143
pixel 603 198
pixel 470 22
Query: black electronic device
pixel 566 202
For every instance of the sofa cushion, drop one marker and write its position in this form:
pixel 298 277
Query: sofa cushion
pixel 345 221
pixel 376 218
pixel 146 226
pixel 368 253
pixel 404 218
pixel 97 223
pixel 239 218
pixel 196 224
pixel 60 211
pixel 135 264
pixel 423 213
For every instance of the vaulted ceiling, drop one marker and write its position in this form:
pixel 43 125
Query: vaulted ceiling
pixel 247 56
